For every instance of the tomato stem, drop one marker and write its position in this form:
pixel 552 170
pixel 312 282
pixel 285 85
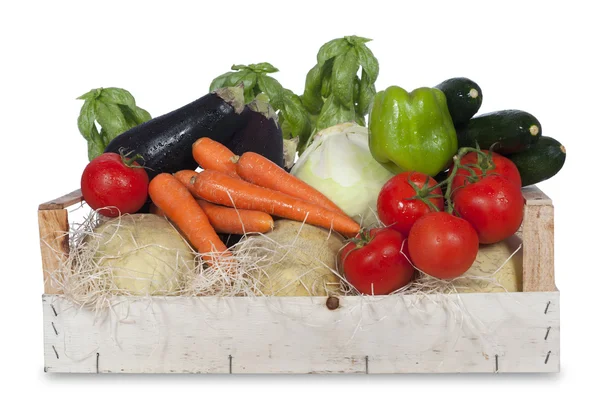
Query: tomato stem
pixel 129 161
pixel 424 194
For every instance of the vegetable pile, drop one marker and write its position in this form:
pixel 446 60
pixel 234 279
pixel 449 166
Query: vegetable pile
pixel 341 188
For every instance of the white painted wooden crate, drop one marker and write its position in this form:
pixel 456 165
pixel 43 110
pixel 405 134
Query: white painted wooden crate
pixel 471 332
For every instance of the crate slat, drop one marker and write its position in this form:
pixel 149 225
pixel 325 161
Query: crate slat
pixel 398 334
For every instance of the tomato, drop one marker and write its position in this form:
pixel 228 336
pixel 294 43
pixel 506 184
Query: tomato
pixel 376 263
pixel 493 205
pixel 110 181
pixel 503 166
pixel 394 207
pixel 442 245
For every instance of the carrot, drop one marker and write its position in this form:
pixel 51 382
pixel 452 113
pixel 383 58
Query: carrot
pixel 186 178
pixel 259 170
pixel 226 220
pixel 223 189
pixel 212 155
pixel 178 204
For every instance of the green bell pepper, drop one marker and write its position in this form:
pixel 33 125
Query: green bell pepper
pixel 412 131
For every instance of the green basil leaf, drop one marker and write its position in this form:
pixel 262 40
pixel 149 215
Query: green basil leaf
pixel 257 92
pixel 344 70
pixel 141 115
pixel 111 119
pixel 356 89
pixel 359 119
pixel 117 96
pixel 264 67
pixel 135 115
pixel 356 40
pixel 273 89
pixel 326 86
pixel 235 79
pixel 331 49
pixel 368 62
pixel 248 78
pixel 313 86
pixel 296 122
pixel 239 67
pixel 95 149
pixel 86 119
pixel 91 95
pixel 333 113
pixel 366 95
pixel 104 137
pixel 311 98
pixel 220 81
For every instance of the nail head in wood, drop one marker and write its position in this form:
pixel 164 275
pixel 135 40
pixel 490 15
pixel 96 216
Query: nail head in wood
pixel 333 303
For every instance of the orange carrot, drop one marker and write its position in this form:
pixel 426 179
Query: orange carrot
pixel 223 189
pixel 259 170
pixel 212 155
pixel 178 204
pixel 227 220
pixel 186 178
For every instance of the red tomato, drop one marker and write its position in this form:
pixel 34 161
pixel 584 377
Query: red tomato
pixel 504 167
pixel 376 264
pixel 442 245
pixel 396 210
pixel 493 206
pixel 108 182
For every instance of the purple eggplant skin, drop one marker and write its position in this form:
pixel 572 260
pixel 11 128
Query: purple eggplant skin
pixel 261 133
pixel 165 142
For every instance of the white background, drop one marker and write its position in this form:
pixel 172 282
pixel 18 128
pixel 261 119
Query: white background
pixel 539 57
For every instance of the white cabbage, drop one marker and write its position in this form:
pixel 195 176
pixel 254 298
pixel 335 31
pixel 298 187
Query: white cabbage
pixel 339 164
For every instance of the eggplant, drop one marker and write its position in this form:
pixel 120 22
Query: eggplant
pixel 260 134
pixel 165 142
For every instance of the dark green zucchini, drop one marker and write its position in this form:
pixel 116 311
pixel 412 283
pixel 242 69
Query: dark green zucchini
pixel 165 142
pixel 509 131
pixel 463 97
pixel 540 162
pixel 260 134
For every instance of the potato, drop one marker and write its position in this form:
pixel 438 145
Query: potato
pixel 299 259
pixel 145 253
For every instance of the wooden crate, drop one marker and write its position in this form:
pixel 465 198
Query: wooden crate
pixel 470 332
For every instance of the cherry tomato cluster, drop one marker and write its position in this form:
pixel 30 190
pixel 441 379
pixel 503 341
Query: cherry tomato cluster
pixel 437 234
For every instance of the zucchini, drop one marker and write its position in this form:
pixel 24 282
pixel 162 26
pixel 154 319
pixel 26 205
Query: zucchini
pixel 260 134
pixel 509 131
pixel 165 142
pixel 540 162
pixel 464 98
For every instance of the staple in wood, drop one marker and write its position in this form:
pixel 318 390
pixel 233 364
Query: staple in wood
pixel 496 363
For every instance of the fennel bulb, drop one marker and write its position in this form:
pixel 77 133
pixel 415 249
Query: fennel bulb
pixel 339 164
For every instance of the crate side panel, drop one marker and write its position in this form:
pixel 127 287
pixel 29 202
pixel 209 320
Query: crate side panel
pixel 390 334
